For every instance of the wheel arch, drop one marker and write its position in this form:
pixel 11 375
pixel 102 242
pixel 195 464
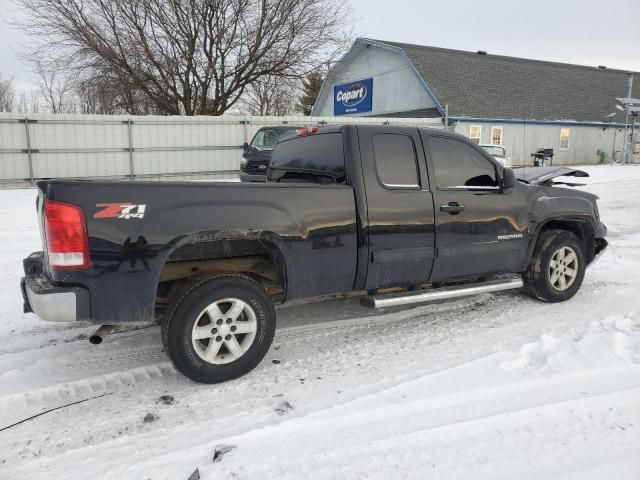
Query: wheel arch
pixel 258 255
pixel 580 227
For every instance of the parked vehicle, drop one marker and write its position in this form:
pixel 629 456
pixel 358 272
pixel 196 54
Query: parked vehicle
pixel 499 153
pixel 345 208
pixel 256 155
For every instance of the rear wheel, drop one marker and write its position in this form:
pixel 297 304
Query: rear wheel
pixel 219 328
pixel 557 267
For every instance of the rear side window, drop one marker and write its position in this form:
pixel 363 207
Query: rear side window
pixel 395 158
pixel 458 166
pixel 315 158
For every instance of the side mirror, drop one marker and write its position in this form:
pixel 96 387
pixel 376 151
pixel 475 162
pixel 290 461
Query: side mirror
pixel 508 179
pixel 245 147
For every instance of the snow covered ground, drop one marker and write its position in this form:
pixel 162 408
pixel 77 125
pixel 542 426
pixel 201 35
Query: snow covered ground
pixel 496 386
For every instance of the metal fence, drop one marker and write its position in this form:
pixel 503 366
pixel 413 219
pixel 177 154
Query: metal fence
pixel 41 146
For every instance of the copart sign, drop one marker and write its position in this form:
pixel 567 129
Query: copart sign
pixel 353 97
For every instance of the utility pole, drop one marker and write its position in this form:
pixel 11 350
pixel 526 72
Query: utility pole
pixel 626 156
pixel 631 106
pixel 446 116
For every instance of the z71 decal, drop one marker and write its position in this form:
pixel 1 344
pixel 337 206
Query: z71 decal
pixel 120 210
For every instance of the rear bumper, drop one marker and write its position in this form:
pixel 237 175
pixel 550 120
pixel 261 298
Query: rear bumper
pixel 48 301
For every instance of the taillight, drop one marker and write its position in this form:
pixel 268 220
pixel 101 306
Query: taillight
pixel 306 131
pixel 66 236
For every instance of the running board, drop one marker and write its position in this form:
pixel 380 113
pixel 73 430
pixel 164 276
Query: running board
pixel 442 293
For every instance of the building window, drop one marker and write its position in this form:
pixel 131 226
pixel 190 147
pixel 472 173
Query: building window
pixel 475 134
pixel 496 135
pixel 564 138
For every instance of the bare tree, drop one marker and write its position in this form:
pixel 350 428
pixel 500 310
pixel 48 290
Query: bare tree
pixel 270 96
pixel 188 56
pixel 103 93
pixel 56 89
pixel 35 100
pixel 98 95
pixel 29 101
pixel 23 103
pixel 7 95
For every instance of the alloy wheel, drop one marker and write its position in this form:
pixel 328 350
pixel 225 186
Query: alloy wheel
pixel 224 331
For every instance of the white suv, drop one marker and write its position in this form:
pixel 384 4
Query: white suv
pixel 499 153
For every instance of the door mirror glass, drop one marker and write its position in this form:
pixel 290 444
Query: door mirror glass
pixel 245 147
pixel 508 179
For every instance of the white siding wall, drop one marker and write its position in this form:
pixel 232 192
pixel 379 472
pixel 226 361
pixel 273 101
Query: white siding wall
pixel 396 86
pixel 522 140
pixel 93 146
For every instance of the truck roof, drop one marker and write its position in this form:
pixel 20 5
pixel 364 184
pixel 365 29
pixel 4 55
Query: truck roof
pixel 335 128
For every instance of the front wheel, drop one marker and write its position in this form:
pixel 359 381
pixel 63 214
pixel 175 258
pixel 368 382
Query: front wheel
pixel 219 328
pixel 557 267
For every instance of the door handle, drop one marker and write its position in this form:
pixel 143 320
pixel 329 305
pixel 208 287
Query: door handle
pixel 453 208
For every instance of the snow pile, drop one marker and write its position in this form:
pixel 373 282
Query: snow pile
pixel 550 408
pixel 611 342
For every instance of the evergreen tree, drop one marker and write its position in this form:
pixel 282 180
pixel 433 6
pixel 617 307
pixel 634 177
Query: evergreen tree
pixel 311 86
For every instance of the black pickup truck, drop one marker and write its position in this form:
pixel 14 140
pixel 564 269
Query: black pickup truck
pixel 399 214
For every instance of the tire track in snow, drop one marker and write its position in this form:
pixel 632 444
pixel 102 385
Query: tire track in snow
pixel 43 398
pixel 118 355
pixel 357 428
pixel 559 411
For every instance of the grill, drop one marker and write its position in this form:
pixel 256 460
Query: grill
pixel 541 156
pixel 256 167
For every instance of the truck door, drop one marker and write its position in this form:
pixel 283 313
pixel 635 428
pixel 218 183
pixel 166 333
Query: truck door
pixel 480 229
pixel 400 215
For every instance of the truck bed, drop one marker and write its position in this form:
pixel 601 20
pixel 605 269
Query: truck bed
pixel 291 220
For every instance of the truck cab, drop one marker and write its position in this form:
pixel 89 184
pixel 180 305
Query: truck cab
pixel 425 195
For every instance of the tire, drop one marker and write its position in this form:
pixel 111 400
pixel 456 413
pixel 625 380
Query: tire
pixel 208 351
pixel 542 280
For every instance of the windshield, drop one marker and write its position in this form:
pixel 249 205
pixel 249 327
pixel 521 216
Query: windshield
pixel 268 137
pixel 494 150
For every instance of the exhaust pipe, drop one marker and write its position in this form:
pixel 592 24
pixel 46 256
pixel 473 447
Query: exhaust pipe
pixel 100 333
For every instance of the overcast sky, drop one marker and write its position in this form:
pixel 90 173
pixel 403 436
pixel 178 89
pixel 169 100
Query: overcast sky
pixel 589 32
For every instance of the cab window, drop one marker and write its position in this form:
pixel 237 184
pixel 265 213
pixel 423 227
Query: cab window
pixel 317 158
pixel 395 159
pixel 458 166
